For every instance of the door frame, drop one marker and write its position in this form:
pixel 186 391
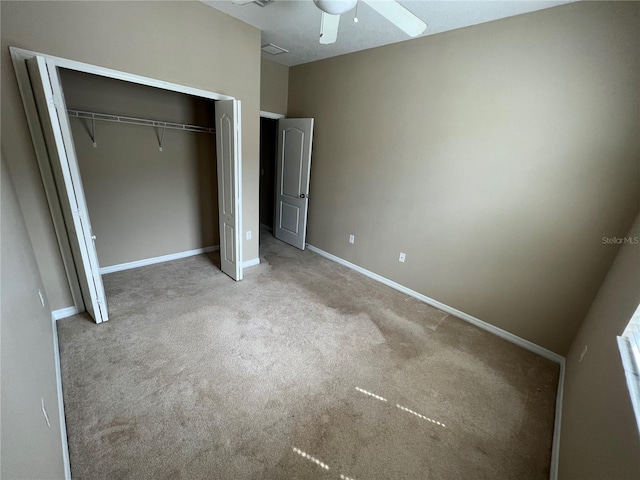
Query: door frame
pixel 19 57
pixel 271 115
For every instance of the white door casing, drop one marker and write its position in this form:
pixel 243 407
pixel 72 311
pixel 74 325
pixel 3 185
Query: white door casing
pixel 293 169
pixel 228 166
pixel 52 111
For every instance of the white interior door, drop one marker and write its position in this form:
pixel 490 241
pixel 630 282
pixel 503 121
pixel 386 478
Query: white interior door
pixel 293 168
pixel 229 193
pixel 52 111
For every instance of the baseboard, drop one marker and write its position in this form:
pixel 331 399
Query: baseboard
pixel 526 344
pixel 161 259
pixel 64 313
pixel 62 418
pixel 250 263
pixel 266 227
pixel 555 446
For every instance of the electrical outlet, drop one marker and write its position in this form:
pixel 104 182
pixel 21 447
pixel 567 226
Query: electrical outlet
pixel 402 257
pixel 352 239
pixel 248 234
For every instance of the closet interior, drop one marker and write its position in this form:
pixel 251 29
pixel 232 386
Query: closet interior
pixel 147 158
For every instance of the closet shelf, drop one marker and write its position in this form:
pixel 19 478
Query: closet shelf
pixel 138 121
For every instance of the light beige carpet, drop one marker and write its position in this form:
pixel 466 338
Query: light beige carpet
pixel 305 369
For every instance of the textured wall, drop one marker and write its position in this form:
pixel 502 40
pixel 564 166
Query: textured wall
pixel 274 87
pixel 187 43
pixel 599 435
pixel 494 156
pixel 30 449
pixel 142 202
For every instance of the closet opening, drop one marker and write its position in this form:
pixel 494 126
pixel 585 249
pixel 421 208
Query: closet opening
pixel 159 183
pixel 151 190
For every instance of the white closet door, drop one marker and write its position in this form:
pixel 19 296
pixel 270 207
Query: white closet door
pixel 228 152
pixel 52 111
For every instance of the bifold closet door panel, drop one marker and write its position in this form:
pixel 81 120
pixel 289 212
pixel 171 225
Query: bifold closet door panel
pixel 55 125
pixel 229 194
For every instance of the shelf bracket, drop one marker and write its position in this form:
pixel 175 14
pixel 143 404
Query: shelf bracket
pixel 162 137
pixel 93 132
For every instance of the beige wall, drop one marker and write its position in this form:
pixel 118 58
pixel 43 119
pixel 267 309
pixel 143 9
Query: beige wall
pixel 274 87
pixel 495 157
pixel 29 449
pixel 142 202
pixel 182 42
pixel 599 436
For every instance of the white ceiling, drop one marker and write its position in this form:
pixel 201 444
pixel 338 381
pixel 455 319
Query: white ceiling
pixel 295 25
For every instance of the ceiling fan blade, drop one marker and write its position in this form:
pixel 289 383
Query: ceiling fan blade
pixel 399 16
pixel 329 28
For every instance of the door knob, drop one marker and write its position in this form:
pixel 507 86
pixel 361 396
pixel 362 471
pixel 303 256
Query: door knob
pixel 302 195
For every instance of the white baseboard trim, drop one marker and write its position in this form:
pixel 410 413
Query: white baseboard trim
pixel 526 344
pixel 64 313
pixel 250 263
pixel 161 259
pixel 555 445
pixel 62 418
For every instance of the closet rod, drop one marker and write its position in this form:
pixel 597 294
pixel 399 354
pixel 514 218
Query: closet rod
pixel 139 121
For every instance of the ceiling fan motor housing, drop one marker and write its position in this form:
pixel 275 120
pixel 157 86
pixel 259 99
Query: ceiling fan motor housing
pixel 335 7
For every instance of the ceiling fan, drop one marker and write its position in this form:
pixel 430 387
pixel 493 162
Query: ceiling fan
pixel 332 9
pixel 389 9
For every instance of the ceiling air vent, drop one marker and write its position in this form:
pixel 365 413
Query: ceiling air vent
pixel 272 49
